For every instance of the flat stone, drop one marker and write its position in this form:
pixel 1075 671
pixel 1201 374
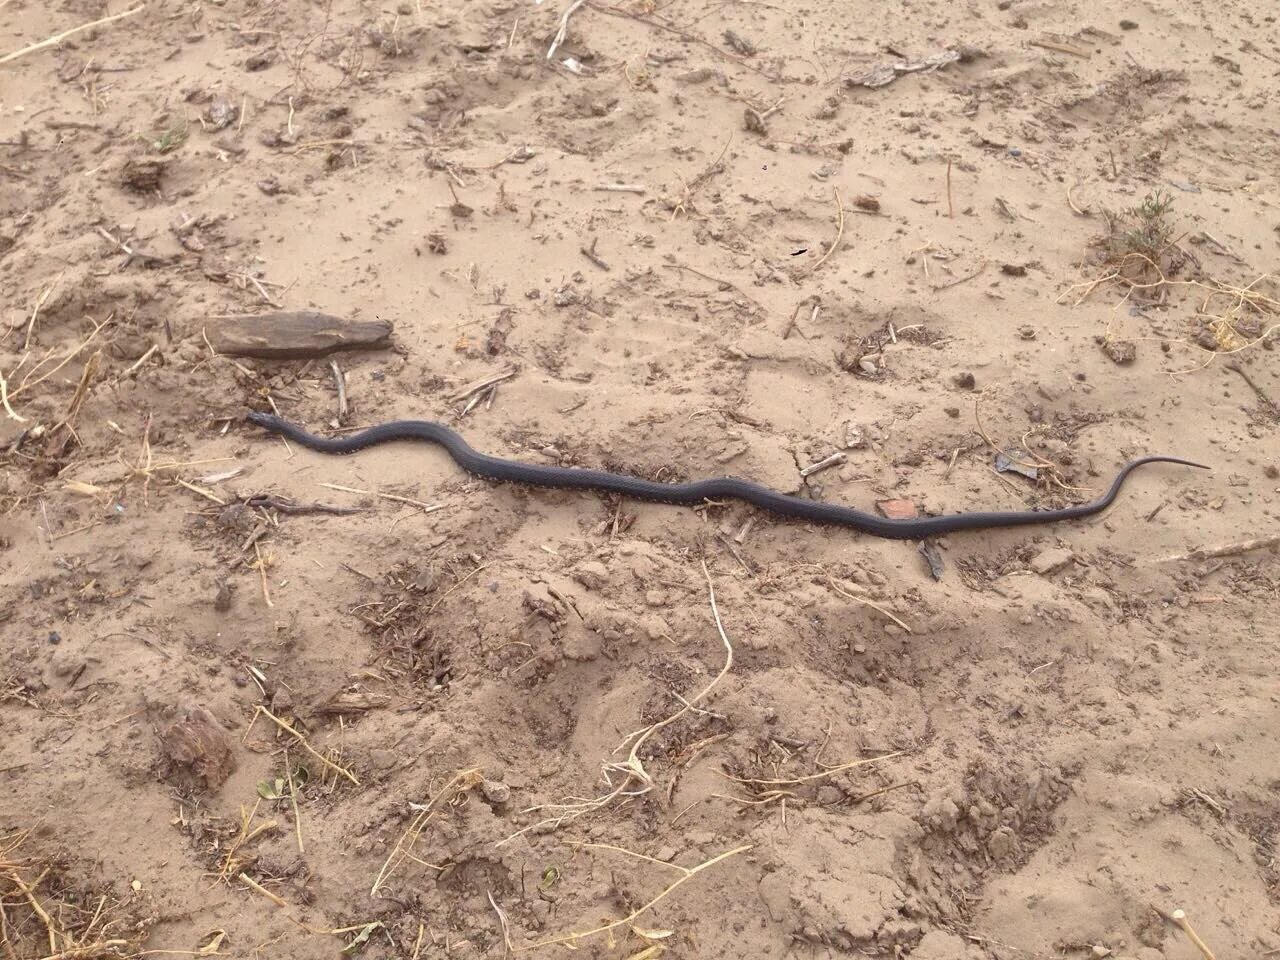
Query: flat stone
pixel 593 574
pixel 1053 559
pixel 898 509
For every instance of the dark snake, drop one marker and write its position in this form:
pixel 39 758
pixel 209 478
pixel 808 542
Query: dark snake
pixel 695 493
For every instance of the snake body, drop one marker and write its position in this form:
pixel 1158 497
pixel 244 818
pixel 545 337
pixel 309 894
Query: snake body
pixel 694 493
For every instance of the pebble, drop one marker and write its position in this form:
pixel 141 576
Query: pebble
pixel 827 795
pixel 593 574
pixel 655 598
pixel 495 791
pixel 965 380
pixel 868 367
pixel 1128 24
pixel 382 759
pixel 1047 561
pixel 1120 351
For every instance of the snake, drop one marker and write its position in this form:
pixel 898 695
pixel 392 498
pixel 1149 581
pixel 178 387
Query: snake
pixel 694 493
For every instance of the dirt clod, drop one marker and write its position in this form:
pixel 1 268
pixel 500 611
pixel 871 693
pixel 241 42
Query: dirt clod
pixel 198 747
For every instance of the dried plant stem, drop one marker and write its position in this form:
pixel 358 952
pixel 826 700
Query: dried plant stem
pixel 4 401
pixel 866 603
pixel 302 742
pixel 254 884
pixel 460 783
pixel 262 571
pixel 35 312
pixel 1180 918
pixel 27 383
pixel 58 38
pixel 839 232
pixel 687 874
pixel 293 801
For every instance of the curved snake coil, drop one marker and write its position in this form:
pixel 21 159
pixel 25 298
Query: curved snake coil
pixel 696 492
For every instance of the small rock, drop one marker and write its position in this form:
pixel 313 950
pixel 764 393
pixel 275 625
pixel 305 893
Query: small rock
pixel 221 113
pixel 1271 472
pixel 1047 561
pixel 952 412
pixel 868 367
pixel 948 814
pixel 965 381
pixel 270 186
pixel 1013 269
pixel 222 599
pixel 1128 24
pixel 775 891
pixel 655 598
pixel 1001 843
pixel 897 509
pixel 701 75
pixel 495 791
pixel 282 701
pixel 1100 951
pixel 655 628
pixel 382 759
pixel 259 61
pixel 828 795
pixel 1027 332
pixel 593 574
pixel 1120 351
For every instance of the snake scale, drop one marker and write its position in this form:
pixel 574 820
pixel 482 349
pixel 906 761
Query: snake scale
pixel 696 492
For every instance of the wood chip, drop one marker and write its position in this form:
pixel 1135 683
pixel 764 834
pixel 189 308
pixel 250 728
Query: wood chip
pixel 295 335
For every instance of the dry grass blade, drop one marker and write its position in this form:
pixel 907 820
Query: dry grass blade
pixel 41 917
pixel 302 742
pixel 812 777
pixel 458 785
pixel 58 38
pixel 839 233
pixel 687 874
pixel 866 603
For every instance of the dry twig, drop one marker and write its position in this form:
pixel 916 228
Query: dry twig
pixel 58 38
pixel 686 874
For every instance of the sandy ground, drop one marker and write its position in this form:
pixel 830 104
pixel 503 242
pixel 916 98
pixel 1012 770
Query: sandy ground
pixel 1066 737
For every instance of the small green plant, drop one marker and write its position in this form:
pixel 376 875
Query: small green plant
pixel 171 139
pixel 1144 230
